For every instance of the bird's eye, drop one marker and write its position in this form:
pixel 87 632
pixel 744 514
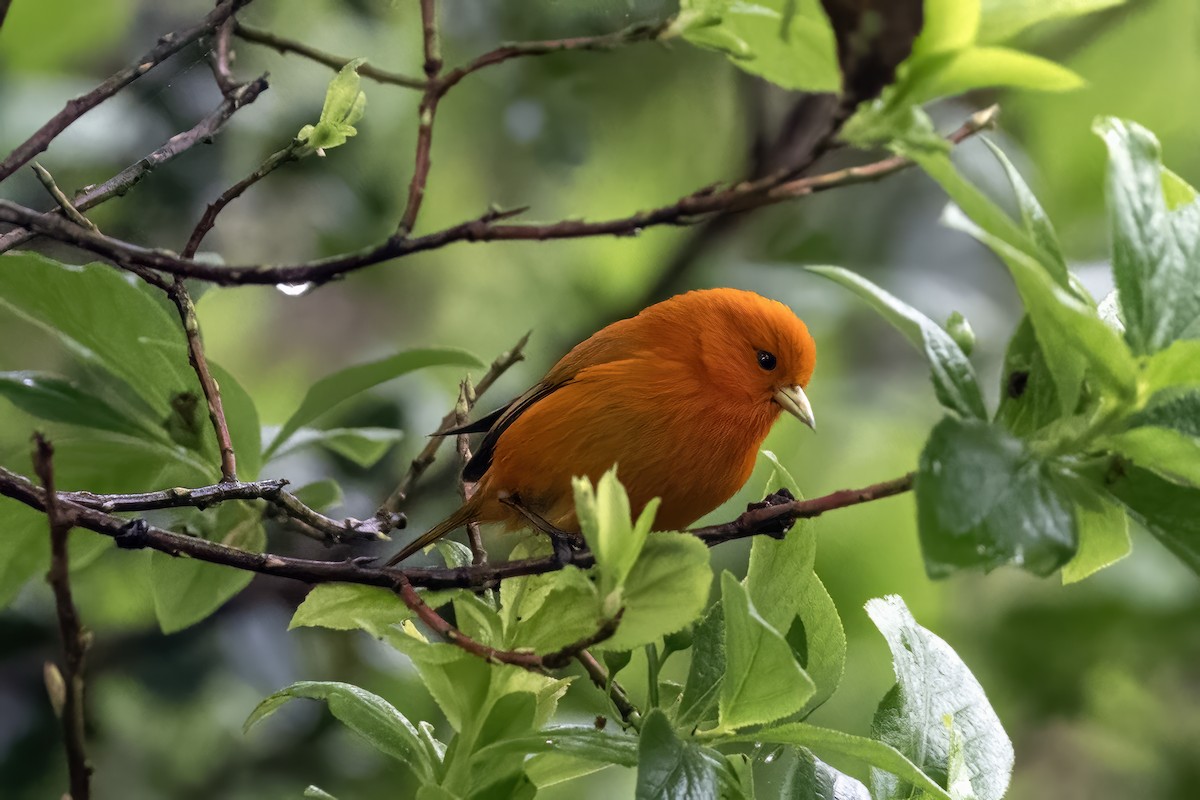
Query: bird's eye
pixel 766 360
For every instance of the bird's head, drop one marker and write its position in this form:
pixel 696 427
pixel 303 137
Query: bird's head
pixel 751 348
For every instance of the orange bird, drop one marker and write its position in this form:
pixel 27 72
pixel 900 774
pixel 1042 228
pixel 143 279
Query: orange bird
pixel 680 397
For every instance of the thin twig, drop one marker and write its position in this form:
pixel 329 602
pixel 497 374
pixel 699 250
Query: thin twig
pixel 518 658
pixel 209 218
pixel 462 410
pixel 272 491
pixel 426 113
pixel 428 454
pixel 167 46
pixel 75 639
pixel 688 210
pixel 208 384
pixel 643 32
pixel 61 199
pixel 221 57
pixel 335 62
pixel 126 179
pixel 620 699
pixel 137 534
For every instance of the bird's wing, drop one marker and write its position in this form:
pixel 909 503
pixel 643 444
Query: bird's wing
pixel 499 421
pixel 608 345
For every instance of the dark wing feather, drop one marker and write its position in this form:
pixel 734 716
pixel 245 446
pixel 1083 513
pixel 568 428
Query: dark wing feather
pixel 481 425
pixel 501 419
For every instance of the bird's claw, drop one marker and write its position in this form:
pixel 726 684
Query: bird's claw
pixel 776 528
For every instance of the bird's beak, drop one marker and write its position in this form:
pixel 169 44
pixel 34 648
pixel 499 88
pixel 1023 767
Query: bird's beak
pixel 795 402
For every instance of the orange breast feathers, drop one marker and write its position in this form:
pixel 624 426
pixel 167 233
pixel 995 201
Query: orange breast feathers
pixel 679 397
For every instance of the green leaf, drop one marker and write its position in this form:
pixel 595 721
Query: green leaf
pixel 1004 19
pixel 666 590
pixel 24 547
pixel 955 72
pixel 1177 365
pixel 56 399
pixel 187 591
pixel 1103 535
pixel 953 376
pixel 351 606
pixel 1167 510
pixel 1174 455
pixel 1176 190
pixel 1154 250
pixel 931 683
pixel 788 42
pixel 241 415
pixel 363 446
pixel 317 793
pixel 102 316
pixel 604 519
pixel 1028 395
pixel 879 755
pixel 1175 411
pixel 344 384
pixel 344 105
pixel 984 500
pixel 762 681
pixel 698 705
pixel 375 720
pixel 320 495
pixel 576 741
pixel 949 25
pixel 788 594
pixel 670 767
pixel 547 612
pixel 1072 336
pixel 810 778
pixel 1038 228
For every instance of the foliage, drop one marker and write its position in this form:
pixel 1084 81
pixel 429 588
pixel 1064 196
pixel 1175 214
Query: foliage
pixel 1096 425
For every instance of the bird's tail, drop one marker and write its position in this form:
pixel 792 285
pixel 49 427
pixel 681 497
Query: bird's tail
pixel 466 513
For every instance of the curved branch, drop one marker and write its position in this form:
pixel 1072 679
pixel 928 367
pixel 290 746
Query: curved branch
pixel 688 210
pixel 138 534
pixel 126 179
pixel 168 45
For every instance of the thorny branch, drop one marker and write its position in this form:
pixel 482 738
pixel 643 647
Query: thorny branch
pixel 69 681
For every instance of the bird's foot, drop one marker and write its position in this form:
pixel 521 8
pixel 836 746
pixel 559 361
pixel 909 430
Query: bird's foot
pixel 778 528
pixel 565 543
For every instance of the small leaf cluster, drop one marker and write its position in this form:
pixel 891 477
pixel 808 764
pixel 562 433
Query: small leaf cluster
pixel 132 400
pixel 763 657
pixel 1099 403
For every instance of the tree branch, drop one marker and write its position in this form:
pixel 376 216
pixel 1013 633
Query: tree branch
pixel 208 385
pixel 620 699
pixel 138 534
pixel 167 46
pixel 129 177
pixel 334 62
pixel 272 491
pixel 56 194
pixel 519 658
pixel 686 211
pixel 220 59
pixel 209 218
pixel 74 638
pixel 426 113
pixel 644 32
pixel 428 454
pixel 4 5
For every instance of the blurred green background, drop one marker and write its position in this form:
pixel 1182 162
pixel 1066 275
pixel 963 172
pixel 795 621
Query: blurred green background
pixel 1098 684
